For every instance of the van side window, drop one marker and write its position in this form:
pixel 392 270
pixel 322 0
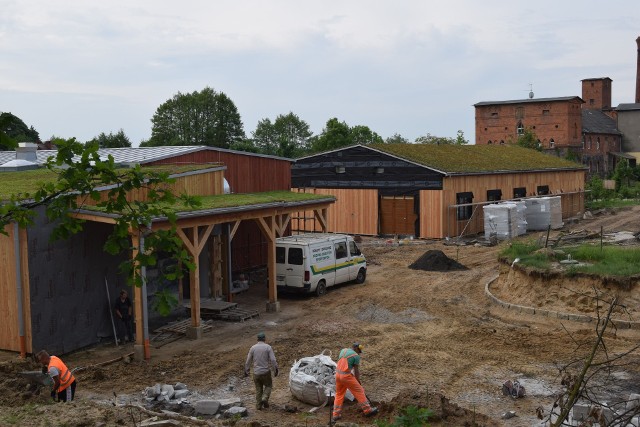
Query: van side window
pixel 353 248
pixel 280 251
pixel 341 250
pixel 295 256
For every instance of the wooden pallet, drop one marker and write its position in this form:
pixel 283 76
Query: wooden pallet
pixel 234 314
pixel 178 329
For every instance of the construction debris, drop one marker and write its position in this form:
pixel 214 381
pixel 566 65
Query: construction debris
pixel 434 260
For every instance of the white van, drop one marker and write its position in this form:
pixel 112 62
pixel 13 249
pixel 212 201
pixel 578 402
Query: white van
pixel 312 262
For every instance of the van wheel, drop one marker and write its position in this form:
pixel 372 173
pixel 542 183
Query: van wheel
pixel 321 288
pixel 362 275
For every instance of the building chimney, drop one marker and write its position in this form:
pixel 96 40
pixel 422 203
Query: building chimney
pixel 27 151
pixel 638 73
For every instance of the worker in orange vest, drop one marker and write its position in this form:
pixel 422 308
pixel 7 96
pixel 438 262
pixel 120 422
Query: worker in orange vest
pixel 64 383
pixel 348 377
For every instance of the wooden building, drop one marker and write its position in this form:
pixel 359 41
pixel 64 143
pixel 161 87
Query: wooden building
pixel 429 191
pixel 53 294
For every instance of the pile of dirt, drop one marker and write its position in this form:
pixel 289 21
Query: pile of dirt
pixel 436 260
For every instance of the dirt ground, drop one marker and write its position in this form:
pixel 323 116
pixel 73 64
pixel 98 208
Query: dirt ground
pixel 432 339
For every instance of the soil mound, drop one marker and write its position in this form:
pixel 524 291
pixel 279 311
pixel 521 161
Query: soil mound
pixel 434 260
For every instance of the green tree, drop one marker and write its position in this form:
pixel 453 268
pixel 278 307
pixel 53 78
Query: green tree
pixel 335 134
pixel 528 139
pixel 199 118
pixel 14 130
pixel 287 136
pixel 117 140
pixel 440 140
pixel 396 138
pixel 364 136
pixel 79 170
pixel 338 134
pixel 623 174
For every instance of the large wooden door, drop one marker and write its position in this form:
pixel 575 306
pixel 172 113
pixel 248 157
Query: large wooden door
pixel 397 215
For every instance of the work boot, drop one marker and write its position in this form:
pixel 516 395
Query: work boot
pixel 372 412
pixel 265 404
pixel 335 419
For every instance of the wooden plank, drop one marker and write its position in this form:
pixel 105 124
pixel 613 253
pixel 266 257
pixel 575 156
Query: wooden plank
pixel 9 334
pixel 397 215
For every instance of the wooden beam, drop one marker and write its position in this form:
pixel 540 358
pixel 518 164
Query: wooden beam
pixel 203 237
pixel 93 218
pixel 321 216
pixel 137 298
pixel 186 241
pixel 236 224
pixel 282 221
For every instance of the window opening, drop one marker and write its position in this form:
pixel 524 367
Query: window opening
pixel 295 256
pixel 353 248
pixel 494 195
pixel 542 190
pixel 280 254
pixel 464 212
pixel 341 250
pixel 519 192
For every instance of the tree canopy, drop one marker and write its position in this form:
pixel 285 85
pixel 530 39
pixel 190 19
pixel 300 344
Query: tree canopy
pixel 14 130
pixel 529 139
pixel 117 140
pixel 287 136
pixel 198 118
pixel 338 134
pixel 432 139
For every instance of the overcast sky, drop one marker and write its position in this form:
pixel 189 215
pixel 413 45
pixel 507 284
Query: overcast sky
pixel 78 68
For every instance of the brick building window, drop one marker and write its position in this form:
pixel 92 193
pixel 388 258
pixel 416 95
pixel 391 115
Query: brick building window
pixel 575 130
pixel 489 142
pixel 502 142
pixel 494 115
pixel 520 129
pixel 589 144
pixel 552 143
pixel 545 112
pixel 598 143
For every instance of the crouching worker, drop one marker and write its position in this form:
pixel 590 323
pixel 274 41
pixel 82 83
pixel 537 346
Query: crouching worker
pixel 64 383
pixel 348 377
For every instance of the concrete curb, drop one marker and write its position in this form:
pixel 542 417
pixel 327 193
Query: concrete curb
pixel 581 318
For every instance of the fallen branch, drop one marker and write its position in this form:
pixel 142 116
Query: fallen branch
pixel 82 368
pixel 172 416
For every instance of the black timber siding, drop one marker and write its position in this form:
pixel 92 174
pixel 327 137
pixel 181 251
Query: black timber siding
pixel 360 163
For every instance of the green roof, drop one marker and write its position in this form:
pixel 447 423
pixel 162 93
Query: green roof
pixel 238 202
pixel 28 182
pixel 461 159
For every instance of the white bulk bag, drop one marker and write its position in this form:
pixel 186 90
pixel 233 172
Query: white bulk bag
pixel 312 379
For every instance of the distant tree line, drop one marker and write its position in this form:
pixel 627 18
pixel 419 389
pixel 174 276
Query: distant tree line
pixel 211 118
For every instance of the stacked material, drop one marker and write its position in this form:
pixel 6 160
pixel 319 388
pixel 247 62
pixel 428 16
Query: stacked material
pixel 543 212
pixel 504 220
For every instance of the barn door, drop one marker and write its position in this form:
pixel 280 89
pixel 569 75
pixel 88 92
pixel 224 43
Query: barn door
pixel 397 215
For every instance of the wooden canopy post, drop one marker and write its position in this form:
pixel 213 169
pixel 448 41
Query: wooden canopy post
pixel 141 349
pixel 282 222
pixel 268 227
pixel 194 245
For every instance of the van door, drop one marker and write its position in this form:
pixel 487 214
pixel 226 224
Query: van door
pixel 355 257
pixel 294 267
pixel 342 261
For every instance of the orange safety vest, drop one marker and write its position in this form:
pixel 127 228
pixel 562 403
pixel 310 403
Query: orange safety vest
pixel 343 364
pixel 65 375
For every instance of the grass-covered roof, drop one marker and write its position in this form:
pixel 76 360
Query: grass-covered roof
pixel 460 159
pixel 28 182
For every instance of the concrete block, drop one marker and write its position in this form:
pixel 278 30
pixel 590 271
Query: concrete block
pixel 273 307
pixel 207 407
pixel 194 332
pixel 179 394
pixel 167 390
pixel 229 403
pixel 234 411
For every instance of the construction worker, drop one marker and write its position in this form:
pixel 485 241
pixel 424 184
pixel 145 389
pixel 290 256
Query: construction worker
pixel 64 383
pixel 263 359
pixel 348 377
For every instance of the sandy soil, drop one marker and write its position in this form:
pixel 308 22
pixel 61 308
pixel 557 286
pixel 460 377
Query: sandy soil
pixel 430 338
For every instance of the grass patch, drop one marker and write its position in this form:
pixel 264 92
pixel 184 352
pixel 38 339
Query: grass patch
pixel 610 261
pixel 610 203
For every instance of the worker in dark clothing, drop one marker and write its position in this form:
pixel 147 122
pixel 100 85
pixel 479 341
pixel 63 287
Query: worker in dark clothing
pixel 123 310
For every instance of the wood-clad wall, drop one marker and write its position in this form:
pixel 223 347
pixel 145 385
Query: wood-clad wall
pixel 246 173
pixel 568 184
pixel 354 212
pixel 9 326
pixel 431 216
pixel 200 184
